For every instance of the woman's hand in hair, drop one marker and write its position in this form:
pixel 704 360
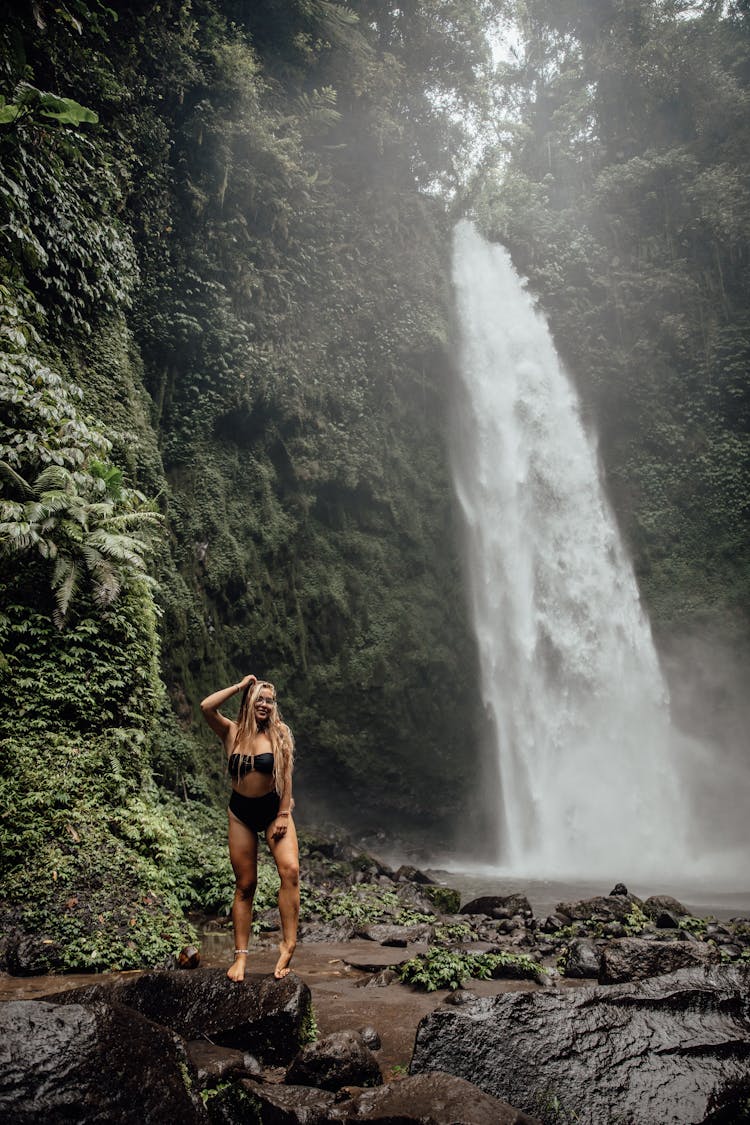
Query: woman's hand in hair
pixel 247 681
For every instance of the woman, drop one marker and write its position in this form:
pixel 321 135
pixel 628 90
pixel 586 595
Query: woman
pixel 260 751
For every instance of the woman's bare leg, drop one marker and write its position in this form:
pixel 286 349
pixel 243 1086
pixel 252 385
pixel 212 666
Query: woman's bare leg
pixel 243 852
pixel 286 855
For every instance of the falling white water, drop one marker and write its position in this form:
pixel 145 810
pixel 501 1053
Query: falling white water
pixel 569 675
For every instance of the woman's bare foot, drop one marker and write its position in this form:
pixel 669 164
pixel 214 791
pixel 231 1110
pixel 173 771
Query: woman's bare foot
pixel 286 952
pixel 237 969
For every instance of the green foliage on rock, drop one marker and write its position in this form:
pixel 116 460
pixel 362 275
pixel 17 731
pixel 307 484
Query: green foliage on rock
pixel 440 967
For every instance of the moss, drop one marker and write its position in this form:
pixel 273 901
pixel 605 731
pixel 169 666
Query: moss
pixel 444 899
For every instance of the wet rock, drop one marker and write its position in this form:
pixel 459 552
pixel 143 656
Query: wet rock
pixel 26 955
pixel 614 929
pixel 91 1063
pixel 732 951
pixel 188 958
pixel 408 874
pixel 261 1015
pixel 499 906
pixel 326 931
pixel 583 959
pixel 398 936
pixel 654 905
pixel 337 1060
pixel 600 908
pixel 414 897
pixel 382 979
pixel 215 1064
pixel 461 996
pixel 553 922
pixel 370 1037
pixel 269 921
pixel 672 1049
pixel 666 921
pixel 635 959
pixel 619 889
pixel 274 1104
pixel 430 1099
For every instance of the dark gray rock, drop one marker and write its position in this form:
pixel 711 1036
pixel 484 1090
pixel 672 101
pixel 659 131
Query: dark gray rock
pixel 27 955
pixel 273 1104
pixel 430 1099
pixel 370 1037
pixel 601 908
pixel 215 1064
pixel 553 922
pixel 636 959
pixel 461 996
pixel 382 979
pixel 672 1049
pixel 654 905
pixel 664 920
pixel 408 874
pixel 97 1062
pixel 261 1015
pixel 583 959
pixel 414 897
pixel 337 1060
pixel 499 906
pixel 398 936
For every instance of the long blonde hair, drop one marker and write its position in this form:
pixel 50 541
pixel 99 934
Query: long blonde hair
pixel 279 734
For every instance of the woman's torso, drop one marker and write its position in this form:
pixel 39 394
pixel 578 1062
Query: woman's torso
pixel 250 764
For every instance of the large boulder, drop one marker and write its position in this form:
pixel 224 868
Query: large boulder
pixel 430 1099
pixel 340 1059
pixel 660 904
pixel 97 1062
pixel 600 908
pixel 272 1104
pixel 266 1017
pixel 213 1064
pixel 582 959
pixel 671 1049
pixel 499 906
pixel 635 959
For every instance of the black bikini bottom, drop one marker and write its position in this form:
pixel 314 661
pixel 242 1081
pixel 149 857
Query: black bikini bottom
pixel 256 813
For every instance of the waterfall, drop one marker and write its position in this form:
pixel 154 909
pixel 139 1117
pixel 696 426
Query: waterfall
pixel 588 778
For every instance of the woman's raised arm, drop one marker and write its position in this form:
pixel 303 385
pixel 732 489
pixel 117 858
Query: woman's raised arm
pixel 211 704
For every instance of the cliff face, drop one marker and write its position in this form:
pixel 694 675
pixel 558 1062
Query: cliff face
pixel 225 370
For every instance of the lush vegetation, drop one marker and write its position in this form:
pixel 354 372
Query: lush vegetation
pixel 441 967
pixel 223 373
pixel 223 365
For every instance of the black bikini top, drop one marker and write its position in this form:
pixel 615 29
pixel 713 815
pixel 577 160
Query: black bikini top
pixel 240 764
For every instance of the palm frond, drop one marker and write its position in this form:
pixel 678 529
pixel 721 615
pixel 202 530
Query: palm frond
pixel 64 581
pixel 106 582
pixel 54 478
pixel 121 548
pixel 15 478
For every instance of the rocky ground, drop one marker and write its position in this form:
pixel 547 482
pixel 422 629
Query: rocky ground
pixel 608 1008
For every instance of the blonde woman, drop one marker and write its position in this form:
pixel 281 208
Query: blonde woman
pixel 260 752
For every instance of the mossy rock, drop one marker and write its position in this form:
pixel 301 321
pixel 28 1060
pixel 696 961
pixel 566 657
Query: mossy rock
pixel 444 899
